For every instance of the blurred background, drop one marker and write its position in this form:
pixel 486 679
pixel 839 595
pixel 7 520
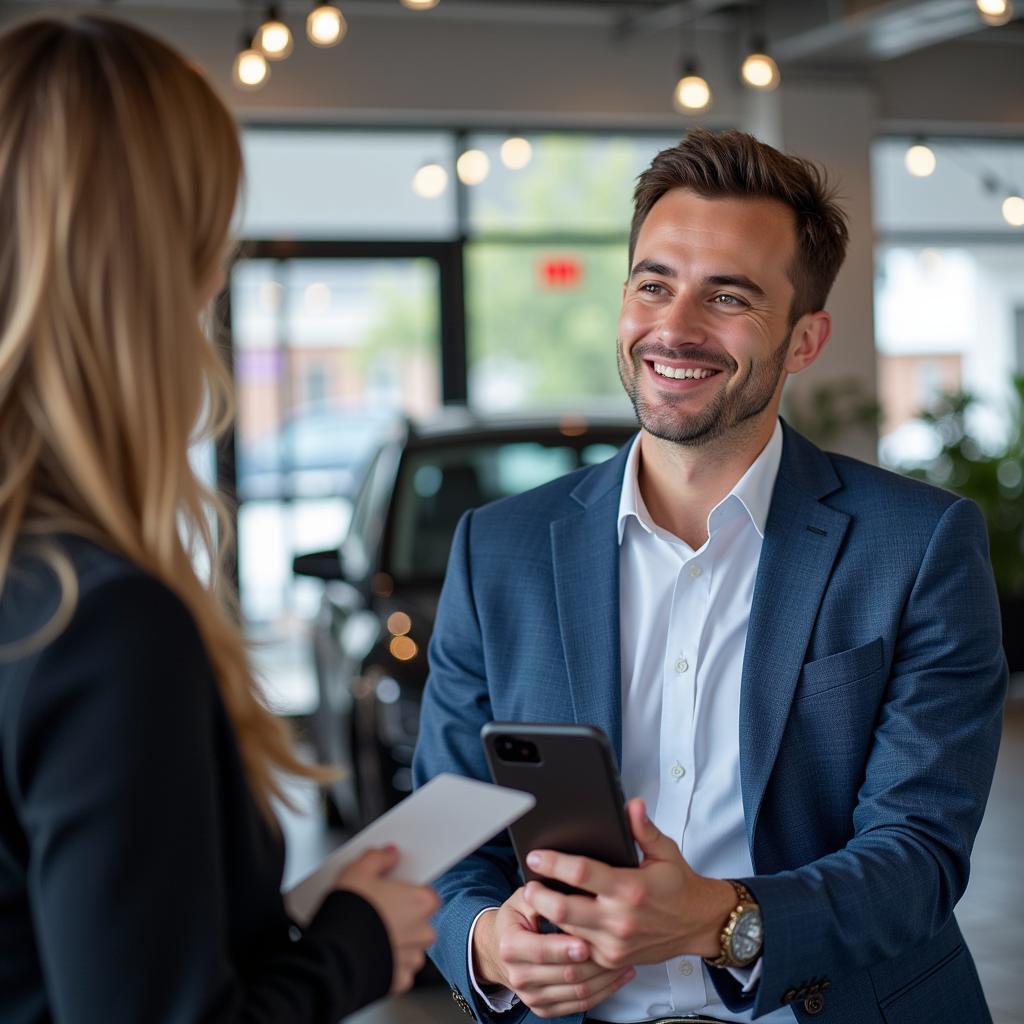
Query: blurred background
pixel 421 315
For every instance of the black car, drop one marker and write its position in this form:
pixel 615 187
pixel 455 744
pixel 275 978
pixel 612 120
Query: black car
pixel 382 585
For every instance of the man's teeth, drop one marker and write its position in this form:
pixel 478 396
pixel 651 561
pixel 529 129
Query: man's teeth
pixel 679 373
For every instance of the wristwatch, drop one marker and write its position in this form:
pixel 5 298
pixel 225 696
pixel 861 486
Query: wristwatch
pixel 743 934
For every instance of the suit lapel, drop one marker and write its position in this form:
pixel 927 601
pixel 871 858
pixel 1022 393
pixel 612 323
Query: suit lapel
pixel 585 561
pixel 802 539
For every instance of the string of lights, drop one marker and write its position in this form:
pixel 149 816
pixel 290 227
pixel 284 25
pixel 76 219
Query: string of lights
pixel 273 41
pixel 326 27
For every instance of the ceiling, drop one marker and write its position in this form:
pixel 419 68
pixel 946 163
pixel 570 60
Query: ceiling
pixel 799 32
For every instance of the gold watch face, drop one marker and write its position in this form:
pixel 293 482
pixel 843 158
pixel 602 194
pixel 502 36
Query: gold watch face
pixel 747 936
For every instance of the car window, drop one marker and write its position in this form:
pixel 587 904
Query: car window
pixel 368 514
pixel 435 487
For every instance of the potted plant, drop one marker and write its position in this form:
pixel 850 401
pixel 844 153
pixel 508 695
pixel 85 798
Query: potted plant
pixel 994 478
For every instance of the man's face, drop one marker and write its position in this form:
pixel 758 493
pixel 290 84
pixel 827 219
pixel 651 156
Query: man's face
pixel 704 329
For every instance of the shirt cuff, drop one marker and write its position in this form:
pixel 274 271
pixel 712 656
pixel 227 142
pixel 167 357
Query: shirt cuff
pixel 498 1000
pixel 748 977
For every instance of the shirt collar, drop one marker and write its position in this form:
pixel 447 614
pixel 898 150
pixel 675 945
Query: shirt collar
pixel 753 490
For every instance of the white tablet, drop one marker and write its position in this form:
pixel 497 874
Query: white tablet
pixel 434 829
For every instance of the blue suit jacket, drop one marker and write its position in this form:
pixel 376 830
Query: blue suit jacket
pixel 873 683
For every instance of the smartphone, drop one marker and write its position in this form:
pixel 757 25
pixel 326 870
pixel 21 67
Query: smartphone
pixel 570 770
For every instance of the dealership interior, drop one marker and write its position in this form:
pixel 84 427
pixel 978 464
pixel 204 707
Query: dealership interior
pixel 431 245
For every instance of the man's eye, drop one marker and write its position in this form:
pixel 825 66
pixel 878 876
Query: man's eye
pixel 728 300
pixel 651 288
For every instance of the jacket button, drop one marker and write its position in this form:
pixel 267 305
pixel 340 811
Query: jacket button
pixel 461 1003
pixel 814 1004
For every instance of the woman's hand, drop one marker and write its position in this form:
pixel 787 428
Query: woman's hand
pixel 404 908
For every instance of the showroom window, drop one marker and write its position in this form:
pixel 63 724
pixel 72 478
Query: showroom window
pixel 545 263
pixel 388 272
pixel 949 291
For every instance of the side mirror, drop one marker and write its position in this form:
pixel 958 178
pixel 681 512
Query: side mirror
pixel 320 565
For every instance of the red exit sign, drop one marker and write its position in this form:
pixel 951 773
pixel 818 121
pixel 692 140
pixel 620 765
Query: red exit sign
pixel 560 271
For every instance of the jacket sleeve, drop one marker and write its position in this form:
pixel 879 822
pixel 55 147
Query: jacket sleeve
pixel 456 704
pixel 116 759
pixel 926 780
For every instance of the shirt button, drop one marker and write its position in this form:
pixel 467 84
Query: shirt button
pixel 695 571
pixel 686 968
pixel 682 665
pixel 678 771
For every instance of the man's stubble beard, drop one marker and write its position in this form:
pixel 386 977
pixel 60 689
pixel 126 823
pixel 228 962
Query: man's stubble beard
pixel 726 410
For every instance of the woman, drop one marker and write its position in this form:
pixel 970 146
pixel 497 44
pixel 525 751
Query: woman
pixel 140 858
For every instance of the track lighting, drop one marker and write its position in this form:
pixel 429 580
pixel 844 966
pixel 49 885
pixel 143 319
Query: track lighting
pixel 419 5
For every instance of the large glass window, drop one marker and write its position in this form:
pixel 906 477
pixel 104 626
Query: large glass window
pixel 949 293
pixel 541 320
pixel 327 353
pixel 572 184
pixel 344 184
pixel 545 267
pixel 328 350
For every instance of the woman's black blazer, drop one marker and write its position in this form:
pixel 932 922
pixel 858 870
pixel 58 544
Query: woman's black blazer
pixel 138 882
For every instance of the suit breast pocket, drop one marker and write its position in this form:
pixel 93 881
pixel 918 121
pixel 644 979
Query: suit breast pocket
pixel 840 669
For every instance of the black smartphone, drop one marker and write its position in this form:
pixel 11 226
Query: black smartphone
pixel 570 770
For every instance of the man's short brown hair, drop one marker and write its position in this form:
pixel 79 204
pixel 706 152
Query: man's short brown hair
pixel 734 164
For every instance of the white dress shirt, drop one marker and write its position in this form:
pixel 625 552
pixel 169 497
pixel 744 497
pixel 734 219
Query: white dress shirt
pixel 683 618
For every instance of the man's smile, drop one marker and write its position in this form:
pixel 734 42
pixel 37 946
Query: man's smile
pixel 683 372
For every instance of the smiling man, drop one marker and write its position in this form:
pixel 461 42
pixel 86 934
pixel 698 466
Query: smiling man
pixel 796 657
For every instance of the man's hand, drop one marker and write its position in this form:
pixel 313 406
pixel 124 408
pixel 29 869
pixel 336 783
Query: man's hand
pixel 643 915
pixel 552 974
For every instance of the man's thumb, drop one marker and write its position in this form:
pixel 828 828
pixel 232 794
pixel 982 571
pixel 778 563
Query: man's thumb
pixel 654 843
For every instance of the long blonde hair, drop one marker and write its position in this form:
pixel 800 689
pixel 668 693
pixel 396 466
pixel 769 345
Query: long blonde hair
pixel 119 171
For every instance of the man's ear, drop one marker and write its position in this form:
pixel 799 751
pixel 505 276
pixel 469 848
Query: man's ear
pixel 810 335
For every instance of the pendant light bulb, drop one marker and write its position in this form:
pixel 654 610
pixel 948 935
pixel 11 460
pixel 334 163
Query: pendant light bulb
pixel 325 25
pixel 919 160
pixel 473 166
pixel 420 5
pixel 1013 211
pixel 516 152
pixel 995 12
pixel 430 181
pixel 759 71
pixel 692 93
pixel 251 70
pixel 274 37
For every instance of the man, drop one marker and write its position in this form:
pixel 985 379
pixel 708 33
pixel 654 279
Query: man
pixel 796 656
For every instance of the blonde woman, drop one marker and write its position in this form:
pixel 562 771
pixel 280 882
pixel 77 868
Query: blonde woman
pixel 140 859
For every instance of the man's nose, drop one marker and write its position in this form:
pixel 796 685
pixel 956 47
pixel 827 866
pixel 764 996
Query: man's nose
pixel 683 322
